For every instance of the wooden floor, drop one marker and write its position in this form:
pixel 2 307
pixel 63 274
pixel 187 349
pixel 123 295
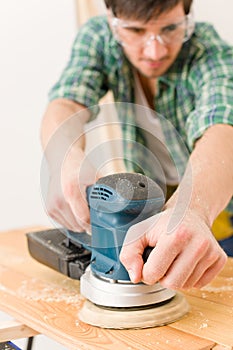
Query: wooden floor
pixel 48 302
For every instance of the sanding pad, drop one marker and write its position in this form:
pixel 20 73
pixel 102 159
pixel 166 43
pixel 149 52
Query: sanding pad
pixel 119 318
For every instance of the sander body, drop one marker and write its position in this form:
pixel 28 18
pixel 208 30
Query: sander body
pixel 116 203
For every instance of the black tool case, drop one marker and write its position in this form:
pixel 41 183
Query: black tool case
pixel 52 248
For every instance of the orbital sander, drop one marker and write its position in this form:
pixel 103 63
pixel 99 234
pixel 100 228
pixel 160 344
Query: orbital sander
pixel 116 203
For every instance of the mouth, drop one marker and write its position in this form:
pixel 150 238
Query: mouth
pixel 154 64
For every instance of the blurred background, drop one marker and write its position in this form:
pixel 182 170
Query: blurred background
pixel 36 37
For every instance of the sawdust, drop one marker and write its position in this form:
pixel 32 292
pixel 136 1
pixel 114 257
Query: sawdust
pixel 221 289
pixel 35 290
pixel 203 325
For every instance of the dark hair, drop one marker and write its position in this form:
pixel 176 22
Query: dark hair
pixel 144 9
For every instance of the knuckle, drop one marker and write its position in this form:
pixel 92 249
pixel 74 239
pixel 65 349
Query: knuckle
pixel 54 202
pixel 223 259
pixel 52 213
pixel 211 259
pixel 217 257
pixel 151 275
pixel 180 237
pixel 123 257
pixel 169 282
pixel 58 203
pixel 202 247
pixel 51 209
pixel 69 189
pixel 183 234
pixel 83 221
pixel 127 258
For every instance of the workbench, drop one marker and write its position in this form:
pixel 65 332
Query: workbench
pixel 48 302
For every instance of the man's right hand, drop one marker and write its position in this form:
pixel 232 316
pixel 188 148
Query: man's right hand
pixel 63 140
pixel 66 202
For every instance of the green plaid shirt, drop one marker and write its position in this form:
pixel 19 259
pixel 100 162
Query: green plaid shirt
pixel 195 93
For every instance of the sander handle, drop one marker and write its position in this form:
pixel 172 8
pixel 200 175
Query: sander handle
pixel 146 253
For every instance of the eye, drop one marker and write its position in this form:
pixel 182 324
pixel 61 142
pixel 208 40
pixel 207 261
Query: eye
pixel 136 30
pixel 171 28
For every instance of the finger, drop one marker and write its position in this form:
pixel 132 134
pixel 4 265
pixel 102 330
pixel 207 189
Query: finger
pixel 212 271
pixel 157 265
pixel 139 230
pixel 59 220
pixel 134 245
pixel 206 263
pixel 58 209
pixel 54 207
pixel 70 221
pixel 81 214
pixel 202 265
pixel 131 258
pixel 166 251
pixel 77 201
pixel 186 266
pixel 63 215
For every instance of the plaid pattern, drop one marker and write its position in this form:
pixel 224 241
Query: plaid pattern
pixel 195 93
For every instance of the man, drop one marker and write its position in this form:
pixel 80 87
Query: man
pixel 151 48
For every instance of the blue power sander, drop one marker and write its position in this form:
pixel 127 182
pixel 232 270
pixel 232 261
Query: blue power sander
pixel 116 203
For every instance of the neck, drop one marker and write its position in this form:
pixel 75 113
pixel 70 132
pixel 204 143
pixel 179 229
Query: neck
pixel 149 88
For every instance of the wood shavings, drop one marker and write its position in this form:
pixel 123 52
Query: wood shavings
pixel 217 289
pixel 37 291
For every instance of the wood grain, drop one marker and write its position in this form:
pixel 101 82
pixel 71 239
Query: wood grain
pixel 49 302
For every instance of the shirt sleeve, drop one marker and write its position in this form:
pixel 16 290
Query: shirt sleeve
pixel 83 79
pixel 212 82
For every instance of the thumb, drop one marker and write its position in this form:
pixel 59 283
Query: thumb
pixel 135 242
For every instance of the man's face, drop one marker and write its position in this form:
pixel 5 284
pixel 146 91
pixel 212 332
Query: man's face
pixel 142 42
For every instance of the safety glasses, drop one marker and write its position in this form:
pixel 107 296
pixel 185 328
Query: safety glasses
pixel 136 35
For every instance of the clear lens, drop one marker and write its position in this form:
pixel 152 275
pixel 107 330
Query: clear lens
pixel 131 34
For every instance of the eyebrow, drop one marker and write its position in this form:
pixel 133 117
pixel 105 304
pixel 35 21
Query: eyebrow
pixel 177 21
pixel 143 26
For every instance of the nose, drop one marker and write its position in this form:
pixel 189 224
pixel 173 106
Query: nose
pixel 155 49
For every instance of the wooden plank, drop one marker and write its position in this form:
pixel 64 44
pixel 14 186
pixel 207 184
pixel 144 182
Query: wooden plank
pixel 106 127
pixel 87 9
pixel 49 302
pixel 221 347
pixel 228 269
pixel 219 291
pixel 10 330
pixel 209 320
pixel 60 322
pixel 212 309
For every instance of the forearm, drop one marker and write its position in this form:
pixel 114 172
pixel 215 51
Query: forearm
pixel 207 185
pixel 186 254
pixel 63 140
pixel 62 127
